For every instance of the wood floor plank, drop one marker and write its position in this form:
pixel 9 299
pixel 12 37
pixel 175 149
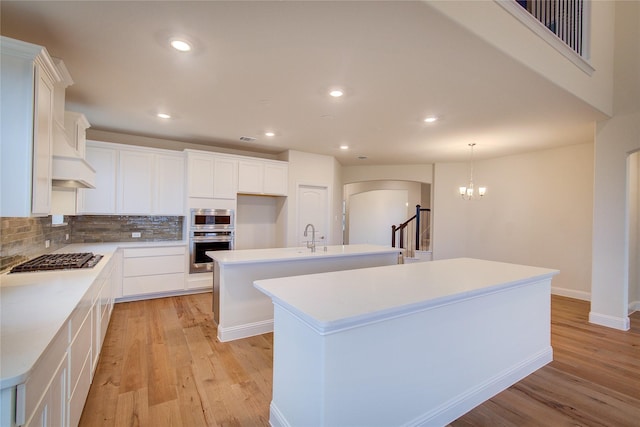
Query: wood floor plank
pixel 162 365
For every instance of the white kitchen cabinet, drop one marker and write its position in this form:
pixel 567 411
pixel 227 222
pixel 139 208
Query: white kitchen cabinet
pixel 102 199
pixel 28 76
pixel 153 270
pixel 41 400
pixel 135 182
pixel 268 177
pixel 224 178
pixel 51 410
pixel 169 184
pixel 211 176
pixel 80 351
pixel 200 175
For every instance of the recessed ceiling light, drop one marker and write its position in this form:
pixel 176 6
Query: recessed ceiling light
pixel 163 115
pixel 181 45
pixel 430 119
pixel 344 147
pixel 269 134
pixel 336 93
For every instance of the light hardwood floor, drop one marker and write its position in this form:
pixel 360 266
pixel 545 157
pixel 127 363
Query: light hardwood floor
pixel 162 366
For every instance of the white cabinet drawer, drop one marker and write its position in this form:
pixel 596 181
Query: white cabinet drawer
pixel 79 350
pixel 152 284
pixel 152 252
pixel 78 315
pixel 79 395
pixel 154 265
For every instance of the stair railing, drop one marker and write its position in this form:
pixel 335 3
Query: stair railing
pixel 414 233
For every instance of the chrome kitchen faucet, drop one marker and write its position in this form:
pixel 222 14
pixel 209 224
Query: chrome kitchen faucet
pixel 311 246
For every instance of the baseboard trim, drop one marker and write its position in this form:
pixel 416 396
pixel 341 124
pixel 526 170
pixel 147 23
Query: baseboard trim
pixel 621 323
pixel 244 331
pixel 571 293
pixel 634 306
pixel 463 403
pixel 276 419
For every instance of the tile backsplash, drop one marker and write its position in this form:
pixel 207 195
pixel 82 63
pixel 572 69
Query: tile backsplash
pixel 118 228
pixel 24 238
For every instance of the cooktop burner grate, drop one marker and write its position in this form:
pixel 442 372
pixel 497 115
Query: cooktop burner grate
pixel 59 262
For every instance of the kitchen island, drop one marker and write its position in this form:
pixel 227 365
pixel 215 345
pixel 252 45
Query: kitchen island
pixel 412 345
pixel 242 311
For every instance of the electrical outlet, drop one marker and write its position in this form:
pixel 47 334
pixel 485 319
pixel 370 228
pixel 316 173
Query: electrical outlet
pixel 136 234
pixel 47 243
pixel 66 236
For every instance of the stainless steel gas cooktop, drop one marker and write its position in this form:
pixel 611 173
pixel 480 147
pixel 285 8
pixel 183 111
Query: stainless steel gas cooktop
pixel 58 262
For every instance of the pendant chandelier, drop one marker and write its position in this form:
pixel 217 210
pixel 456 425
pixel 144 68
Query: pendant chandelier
pixel 468 192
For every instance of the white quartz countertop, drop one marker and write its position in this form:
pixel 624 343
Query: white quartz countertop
pixel 252 256
pixel 334 300
pixel 35 306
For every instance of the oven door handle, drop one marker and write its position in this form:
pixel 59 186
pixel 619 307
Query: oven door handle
pixel 212 239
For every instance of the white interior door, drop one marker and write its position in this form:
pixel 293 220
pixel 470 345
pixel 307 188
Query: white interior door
pixel 313 208
pixel 372 213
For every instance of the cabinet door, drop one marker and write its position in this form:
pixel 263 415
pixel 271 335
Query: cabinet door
pixel 224 178
pixel 169 185
pixel 250 175
pixel 276 179
pixel 42 144
pixel 200 175
pixel 135 183
pixel 102 199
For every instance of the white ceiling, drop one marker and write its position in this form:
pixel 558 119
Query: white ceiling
pixel 265 65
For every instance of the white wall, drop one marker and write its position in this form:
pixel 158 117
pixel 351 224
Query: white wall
pixel 634 230
pixel 417 173
pixel 491 22
pixel 256 218
pixel 537 211
pixel 372 213
pixel 615 140
pixel 317 170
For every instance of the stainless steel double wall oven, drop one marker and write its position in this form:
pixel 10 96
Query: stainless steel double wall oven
pixel 210 230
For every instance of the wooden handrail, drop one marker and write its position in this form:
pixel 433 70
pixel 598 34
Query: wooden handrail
pixel 401 227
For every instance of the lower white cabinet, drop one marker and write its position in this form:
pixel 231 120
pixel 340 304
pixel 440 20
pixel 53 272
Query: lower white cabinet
pixel 153 270
pixel 41 400
pixel 80 351
pixel 51 410
pixel 55 392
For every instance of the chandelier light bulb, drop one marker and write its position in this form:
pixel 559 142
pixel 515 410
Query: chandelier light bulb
pixel 467 192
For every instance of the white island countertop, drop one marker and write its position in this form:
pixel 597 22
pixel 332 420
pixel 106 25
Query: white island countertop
pixel 35 306
pixel 334 300
pixel 251 256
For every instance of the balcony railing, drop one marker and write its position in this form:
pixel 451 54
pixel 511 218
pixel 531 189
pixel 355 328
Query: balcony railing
pixel 564 18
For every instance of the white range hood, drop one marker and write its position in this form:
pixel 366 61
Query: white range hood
pixel 70 170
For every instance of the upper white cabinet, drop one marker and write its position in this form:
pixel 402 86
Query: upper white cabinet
pixel 211 176
pixel 169 184
pixel 258 176
pixel 200 175
pixel 134 181
pixel 102 199
pixel 27 80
